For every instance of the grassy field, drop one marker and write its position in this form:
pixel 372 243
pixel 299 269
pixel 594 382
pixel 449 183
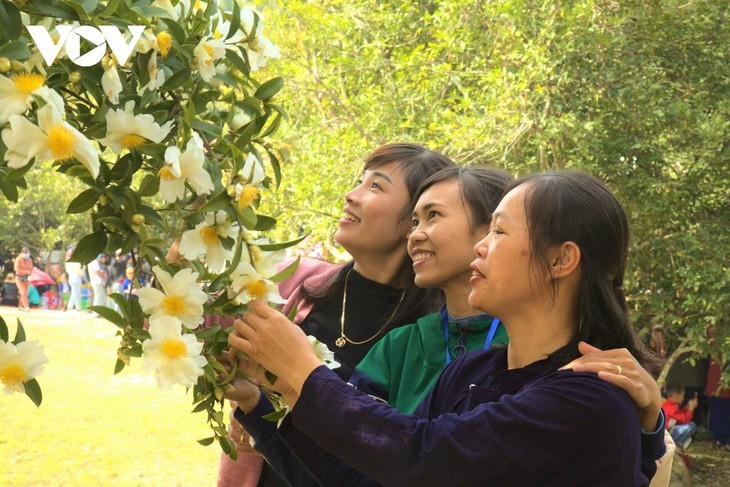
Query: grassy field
pixel 94 427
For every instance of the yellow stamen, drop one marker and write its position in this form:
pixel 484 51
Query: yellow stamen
pixel 209 50
pixel 13 374
pixel 198 5
pixel 130 141
pixel 174 348
pixel 61 142
pixel 256 289
pixel 164 43
pixel 247 196
pixel 174 306
pixel 166 174
pixel 28 82
pixel 209 235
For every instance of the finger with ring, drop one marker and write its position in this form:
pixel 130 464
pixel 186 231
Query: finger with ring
pixel 618 372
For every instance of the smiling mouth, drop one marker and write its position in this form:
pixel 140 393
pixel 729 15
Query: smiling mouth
pixel 350 218
pixel 420 256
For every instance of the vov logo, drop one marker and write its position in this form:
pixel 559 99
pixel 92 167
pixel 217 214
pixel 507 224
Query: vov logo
pixel 71 35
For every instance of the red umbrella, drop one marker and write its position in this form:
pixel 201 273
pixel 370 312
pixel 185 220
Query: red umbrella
pixel 39 278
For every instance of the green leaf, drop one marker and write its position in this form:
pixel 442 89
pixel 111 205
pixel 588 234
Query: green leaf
pixel 60 10
pixel 217 202
pixel 15 50
pixel 237 62
pixel 248 216
pixel 272 127
pixel 119 366
pixel 270 88
pixel 114 223
pixel 151 216
pixel 293 311
pixel 264 223
pixel 89 247
pixel 4 332
pixel 276 415
pixel 149 186
pixel 177 80
pixel 109 315
pixel 84 201
pixel 276 166
pixel 130 243
pixel 228 447
pixel 10 23
pixel 19 334
pixel 9 190
pixel 33 391
pixel 123 304
pixel 282 245
pixel 111 8
pixel 286 272
pixel 270 376
pixel 207 441
pixel 209 128
pixel 235 20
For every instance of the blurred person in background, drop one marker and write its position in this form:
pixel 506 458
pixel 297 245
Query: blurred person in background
pixel 23 268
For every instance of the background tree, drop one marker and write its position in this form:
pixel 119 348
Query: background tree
pixel 636 92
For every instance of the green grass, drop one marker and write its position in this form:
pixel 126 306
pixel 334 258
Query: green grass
pixel 94 427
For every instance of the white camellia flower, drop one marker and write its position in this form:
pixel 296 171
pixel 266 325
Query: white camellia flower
pixel 253 169
pixel 157 76
pixel 205 239
pixel 174 11
pixel 16 94
pixel 265 262
pixel 175 357
pixel 240 118
pixel 206 52
pixel 323 353
pixel 125 130
pixel 19 364
pixel 260 48
pixel 110 82
pixel 181 297
pixel 184 166
pixel 52 139
pixel 247 284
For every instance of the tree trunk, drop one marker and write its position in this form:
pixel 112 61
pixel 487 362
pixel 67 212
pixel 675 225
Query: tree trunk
pixel 668 364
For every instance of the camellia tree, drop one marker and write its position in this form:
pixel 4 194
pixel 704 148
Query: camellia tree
pixel 170 133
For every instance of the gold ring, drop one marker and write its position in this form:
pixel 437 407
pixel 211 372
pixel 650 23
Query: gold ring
pixel 619 370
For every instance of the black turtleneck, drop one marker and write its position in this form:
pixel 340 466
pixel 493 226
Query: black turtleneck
pixel 369 305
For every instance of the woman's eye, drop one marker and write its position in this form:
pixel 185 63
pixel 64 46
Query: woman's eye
pixel 414 223
pixel 375 186
pixel 433 214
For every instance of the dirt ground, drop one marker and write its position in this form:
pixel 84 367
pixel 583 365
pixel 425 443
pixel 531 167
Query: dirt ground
pixel 711 464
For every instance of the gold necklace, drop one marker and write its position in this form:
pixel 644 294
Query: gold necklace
pixel 343 339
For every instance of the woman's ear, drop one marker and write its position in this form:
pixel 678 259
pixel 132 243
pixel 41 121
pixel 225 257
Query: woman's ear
pixel 565 260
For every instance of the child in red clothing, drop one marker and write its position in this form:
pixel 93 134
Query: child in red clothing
pixel 679 419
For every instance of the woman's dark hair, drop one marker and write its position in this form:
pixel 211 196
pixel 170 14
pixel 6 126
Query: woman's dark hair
pixel 572 206
pixel 417 163
pixel 481 189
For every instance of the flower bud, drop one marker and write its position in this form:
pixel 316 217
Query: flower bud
pixel 17 66
pixel 138 218
pixel 231 191
pixel 135 227
pixel 4 65
pixel 103 200
pixel 219 393
pixel 74 77
pixel 124 358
